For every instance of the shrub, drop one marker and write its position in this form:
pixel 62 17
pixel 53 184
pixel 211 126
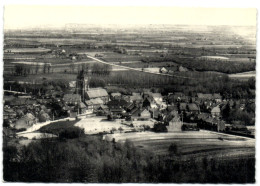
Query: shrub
pixel 160 128
pixel 173 149
pixel 70 133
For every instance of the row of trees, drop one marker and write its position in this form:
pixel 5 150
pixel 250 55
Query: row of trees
pixel 186 82
pixel 57 85
pixel 96 69
pixel 101 69
pixel 24 70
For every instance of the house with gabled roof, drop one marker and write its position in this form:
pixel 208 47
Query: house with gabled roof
pixel 215 111
pixel 169 115
pixel 149 103
pixel 9 113
pixel 217 97
pixel 117 103
pixel 183 107
pixel 130 106
pixel 116 95
pixel 102 110
pixel 137 98
pixel 155 112
pixel 163 70
pixel 141 113
pixel 193 108
pixel 175 124
pixel 72 99
pixel 204 97
pixel 145 114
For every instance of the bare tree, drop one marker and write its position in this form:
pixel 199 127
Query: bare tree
pixel 18 70
pixel 44 67
pixel 49 68
pixel 37 68
pixel 28 70
pixel 72 67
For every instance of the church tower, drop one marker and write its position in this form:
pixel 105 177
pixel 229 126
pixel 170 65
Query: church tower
pixel 82 84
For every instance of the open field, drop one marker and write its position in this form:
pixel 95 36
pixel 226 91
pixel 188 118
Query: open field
pixel 243 76
pixel 94 125
pixel 197 144
pixel 91 125
pixel 27 50
pixel 41 77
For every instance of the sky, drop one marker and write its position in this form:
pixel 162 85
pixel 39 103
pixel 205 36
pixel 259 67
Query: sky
pixel 25 16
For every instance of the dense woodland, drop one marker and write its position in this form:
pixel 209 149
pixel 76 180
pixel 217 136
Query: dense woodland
pixel 204 65
pixel 90 159
pixel 187 82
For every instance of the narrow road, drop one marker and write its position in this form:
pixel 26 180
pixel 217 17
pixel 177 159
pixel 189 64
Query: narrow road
pixel 135 69
pixel 11 91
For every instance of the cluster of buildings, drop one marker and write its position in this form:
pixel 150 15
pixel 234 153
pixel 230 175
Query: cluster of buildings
pixel 21 112
pixel 172 112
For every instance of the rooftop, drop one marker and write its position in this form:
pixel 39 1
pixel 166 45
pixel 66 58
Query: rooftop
pixel 96 93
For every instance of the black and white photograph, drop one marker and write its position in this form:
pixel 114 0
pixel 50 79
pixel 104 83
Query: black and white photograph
pixel 128 94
